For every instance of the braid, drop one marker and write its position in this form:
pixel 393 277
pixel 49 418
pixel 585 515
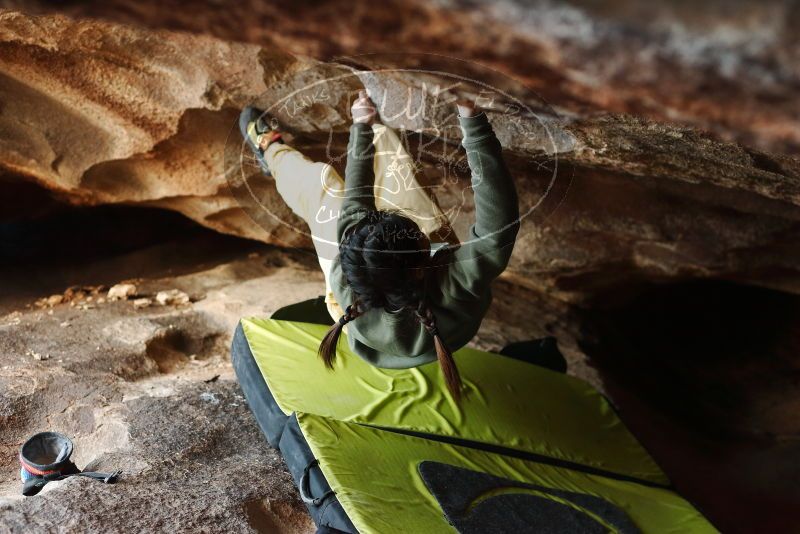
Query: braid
pixel 327 348
pixel 446 361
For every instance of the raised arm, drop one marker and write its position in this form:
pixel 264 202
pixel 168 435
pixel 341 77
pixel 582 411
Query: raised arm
pixel 485 253
pixel 359 175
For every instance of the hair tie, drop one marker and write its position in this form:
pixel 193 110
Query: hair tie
pixel 427 321
pixel 348 316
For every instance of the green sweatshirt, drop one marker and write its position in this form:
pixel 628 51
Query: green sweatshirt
pixel 459 293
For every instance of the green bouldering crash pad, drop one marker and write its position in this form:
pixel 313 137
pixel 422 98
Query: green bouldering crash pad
pixel 527 450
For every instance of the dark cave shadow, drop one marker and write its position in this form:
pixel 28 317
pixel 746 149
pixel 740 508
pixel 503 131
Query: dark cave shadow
pixel 699 350
pixel 706 374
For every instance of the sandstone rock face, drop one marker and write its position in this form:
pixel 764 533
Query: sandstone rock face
pixel 653 246
pixel 97 110
pixel 109 114
pixel 726 66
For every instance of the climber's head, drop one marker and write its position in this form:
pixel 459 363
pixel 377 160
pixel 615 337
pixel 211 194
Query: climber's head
pixel 383 258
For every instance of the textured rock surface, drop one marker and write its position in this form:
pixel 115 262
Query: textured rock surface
pixel 108 114
pixel 656 251
pixel 727 66
pixel 150 392
pixel 88 98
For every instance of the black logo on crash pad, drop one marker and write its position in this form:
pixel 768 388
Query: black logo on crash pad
pixel 476 502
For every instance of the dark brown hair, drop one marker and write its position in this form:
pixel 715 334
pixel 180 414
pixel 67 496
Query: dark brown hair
pixel 327 348
pixel 383 259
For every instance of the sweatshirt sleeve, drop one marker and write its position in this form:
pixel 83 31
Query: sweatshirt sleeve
pixel 484 255
pixel 359 178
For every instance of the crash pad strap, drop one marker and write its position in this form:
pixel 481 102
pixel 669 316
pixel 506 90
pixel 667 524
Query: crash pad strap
pixel 507 402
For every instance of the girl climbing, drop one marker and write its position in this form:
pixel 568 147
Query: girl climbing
pixel 387 450
pixel 401 305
